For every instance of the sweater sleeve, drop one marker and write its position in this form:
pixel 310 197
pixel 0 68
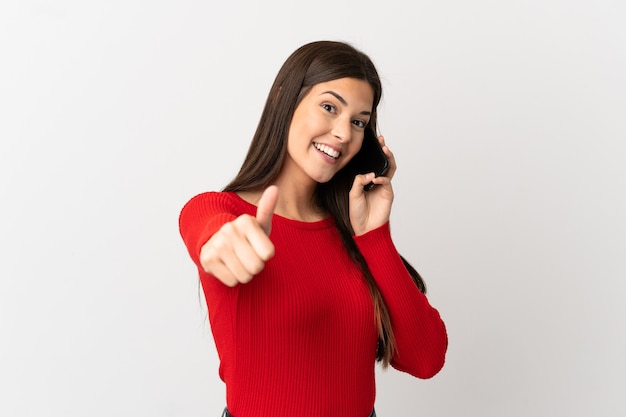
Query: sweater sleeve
pixel 420 333
pixel 201 217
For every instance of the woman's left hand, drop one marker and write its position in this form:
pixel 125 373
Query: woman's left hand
pixel 371 209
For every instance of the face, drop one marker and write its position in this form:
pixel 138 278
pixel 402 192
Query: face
pixel 327 129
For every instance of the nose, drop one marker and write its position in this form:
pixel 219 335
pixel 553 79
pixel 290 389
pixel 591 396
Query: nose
pixel 342 130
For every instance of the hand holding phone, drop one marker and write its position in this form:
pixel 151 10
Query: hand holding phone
pixel 370 158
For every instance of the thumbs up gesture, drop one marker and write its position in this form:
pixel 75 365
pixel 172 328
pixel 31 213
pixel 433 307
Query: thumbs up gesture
pixel 239 250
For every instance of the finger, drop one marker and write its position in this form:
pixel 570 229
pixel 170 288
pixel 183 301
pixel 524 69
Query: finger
pixel 251 260
pixel 251 247
pixel 265 208
pixel 212 262
pixel 231 257
pixel 223 274
pixel 255 245
pixel 382 181
pixel 261 244
pixel 223 250
pixel 359 182
pixel 237 269
pixel 390 156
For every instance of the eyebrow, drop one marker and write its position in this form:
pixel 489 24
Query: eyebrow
pixel 343 101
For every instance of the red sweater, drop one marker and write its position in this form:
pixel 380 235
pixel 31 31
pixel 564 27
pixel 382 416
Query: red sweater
pixel 300 338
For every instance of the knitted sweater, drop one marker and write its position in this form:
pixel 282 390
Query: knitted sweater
pixel 300 338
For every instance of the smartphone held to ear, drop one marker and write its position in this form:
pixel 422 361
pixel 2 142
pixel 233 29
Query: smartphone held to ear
pixel 370 158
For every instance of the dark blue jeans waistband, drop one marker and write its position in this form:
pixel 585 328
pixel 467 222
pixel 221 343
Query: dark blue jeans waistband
pixel 227 414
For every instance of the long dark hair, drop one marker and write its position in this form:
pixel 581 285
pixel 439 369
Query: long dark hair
pixel 309 65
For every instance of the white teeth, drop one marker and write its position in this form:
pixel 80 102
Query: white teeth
pixel 327 150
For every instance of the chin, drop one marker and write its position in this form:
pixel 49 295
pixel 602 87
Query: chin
pixel 323 179
pixel 324 176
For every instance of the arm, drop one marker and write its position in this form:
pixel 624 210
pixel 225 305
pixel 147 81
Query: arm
pixel 224 242
pixel 420 333
pixel 201 217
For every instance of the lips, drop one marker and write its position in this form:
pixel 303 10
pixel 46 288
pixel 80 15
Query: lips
pixel 327 150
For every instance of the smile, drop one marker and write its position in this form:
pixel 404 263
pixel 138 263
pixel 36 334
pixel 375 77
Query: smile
pixel 327 150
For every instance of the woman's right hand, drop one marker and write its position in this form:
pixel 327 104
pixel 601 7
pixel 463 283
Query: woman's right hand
pixel 239 250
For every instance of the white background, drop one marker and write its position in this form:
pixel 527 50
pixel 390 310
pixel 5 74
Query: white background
pixel 508 120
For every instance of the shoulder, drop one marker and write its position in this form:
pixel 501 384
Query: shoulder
pixel 213 202
pixel 204 214
pixel 213 197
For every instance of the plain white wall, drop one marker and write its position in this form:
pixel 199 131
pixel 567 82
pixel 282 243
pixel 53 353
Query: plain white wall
pixel 508 120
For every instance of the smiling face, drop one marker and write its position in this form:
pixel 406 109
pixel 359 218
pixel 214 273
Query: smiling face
pixel 327 130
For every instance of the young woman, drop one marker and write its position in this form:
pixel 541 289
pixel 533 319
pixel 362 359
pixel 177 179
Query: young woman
pixel 304 286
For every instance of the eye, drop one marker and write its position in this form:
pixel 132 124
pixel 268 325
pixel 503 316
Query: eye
pixel 360 123
pixel 329 108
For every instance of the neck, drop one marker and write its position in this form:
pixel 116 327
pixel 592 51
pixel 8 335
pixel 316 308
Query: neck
pixel 296 200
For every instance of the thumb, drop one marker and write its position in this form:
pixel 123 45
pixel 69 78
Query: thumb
pixel 361 184
pixel 265 208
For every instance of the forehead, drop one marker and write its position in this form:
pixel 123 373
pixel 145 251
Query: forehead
pixel 354 91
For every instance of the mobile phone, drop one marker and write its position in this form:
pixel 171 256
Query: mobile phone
pixel 370 158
